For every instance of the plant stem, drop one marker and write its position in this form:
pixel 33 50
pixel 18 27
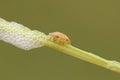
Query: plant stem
pixel 86 56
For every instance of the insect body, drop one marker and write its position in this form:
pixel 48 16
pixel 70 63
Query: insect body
pixel 59 38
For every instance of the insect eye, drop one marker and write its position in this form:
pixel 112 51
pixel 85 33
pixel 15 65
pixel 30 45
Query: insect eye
pixel 67 40
pixel 56 36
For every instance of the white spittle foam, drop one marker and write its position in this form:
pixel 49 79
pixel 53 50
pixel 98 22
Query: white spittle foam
pixel 20 36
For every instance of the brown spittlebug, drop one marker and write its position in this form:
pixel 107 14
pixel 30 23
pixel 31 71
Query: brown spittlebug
pixel 59 38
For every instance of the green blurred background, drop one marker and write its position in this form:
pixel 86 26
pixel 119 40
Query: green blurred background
pixel 92 25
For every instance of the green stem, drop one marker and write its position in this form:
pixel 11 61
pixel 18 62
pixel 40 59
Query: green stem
pixel 86 56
